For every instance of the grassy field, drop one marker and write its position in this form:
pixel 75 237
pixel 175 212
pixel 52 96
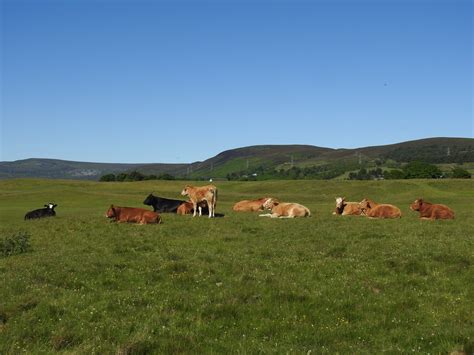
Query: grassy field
pixel 239 283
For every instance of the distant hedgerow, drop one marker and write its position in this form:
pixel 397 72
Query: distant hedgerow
pixel 15 244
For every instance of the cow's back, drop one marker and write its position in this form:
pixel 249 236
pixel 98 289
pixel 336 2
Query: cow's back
pixel 439 211
pixel 352 208
pixel 384 211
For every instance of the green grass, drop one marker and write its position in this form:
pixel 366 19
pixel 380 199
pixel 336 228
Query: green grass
pixel 238 283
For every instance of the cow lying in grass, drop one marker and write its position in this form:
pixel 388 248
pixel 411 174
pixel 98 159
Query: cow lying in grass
pixel 206 193
pixel 345 208
pixel 375 210
pixel 132 215
pixel 285 209
pixel 161 204
pixel 251 205
pixel 48 211
pixel 432 211
pixel 187 208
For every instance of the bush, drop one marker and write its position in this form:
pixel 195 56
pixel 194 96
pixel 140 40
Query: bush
pixel 459 173
pixel 16 244
pixel 107 177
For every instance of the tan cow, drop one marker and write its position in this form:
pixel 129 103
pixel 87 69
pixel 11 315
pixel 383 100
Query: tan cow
pixel 132 215
pixel 251 205
pixel 432 211
pixel 374 210
pixel 345 208
pixel 285 209
pixel 187 208
pixel 206 193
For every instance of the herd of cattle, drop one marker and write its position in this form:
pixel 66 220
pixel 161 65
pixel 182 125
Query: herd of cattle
pixel 203 199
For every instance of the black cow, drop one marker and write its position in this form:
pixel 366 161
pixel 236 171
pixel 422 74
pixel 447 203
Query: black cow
pixel 161 204
pixel 48 211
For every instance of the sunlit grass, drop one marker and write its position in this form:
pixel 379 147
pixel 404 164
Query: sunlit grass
pixel 240 282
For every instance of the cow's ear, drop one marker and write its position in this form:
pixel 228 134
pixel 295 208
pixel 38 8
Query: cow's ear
pixel 46 206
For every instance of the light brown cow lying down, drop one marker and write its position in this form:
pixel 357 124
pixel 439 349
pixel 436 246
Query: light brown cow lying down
pixel 132 215
pixel 206 193
pixel 345 208
pixel 285 209
pixel 432 211
pixel 251 205
pixel 374 210
pixel 187 208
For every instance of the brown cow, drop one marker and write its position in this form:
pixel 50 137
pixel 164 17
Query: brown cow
pixel 133 215
pixel 345 208
pixel 375 210
pixel 285 209
pixel 251 205
pixel 187 208
pixel 206 193
pixel 432 211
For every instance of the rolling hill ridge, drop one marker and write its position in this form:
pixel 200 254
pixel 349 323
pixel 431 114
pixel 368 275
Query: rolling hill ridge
pixel 256 158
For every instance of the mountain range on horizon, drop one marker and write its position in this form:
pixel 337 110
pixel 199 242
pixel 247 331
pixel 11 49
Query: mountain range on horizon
pixel 439 150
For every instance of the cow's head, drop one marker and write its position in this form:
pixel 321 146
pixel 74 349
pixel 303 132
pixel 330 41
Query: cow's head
pixel 416 205
pixel 111 212
pixel 270 203
pixel 150 199
pixel 365 204
pixel 340 202
pixel 51 205
pixel 185 190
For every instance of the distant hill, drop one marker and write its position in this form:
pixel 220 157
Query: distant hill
pixel 253 158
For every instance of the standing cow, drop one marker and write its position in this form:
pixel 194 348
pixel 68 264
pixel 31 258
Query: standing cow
pixel 197 194
pixel 48 211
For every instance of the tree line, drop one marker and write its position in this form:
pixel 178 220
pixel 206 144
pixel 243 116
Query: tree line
pixel 135 176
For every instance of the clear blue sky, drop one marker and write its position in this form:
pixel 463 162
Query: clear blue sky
pixel 180 81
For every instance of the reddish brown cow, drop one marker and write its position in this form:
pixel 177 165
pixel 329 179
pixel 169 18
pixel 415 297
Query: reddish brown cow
pixel 375 210
pixel 206 193
pixel 345 208
pixel 133 215
pixel 187 208
pixel 432 211
pixel 251 205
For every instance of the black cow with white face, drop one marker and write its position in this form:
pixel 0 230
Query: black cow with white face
pixel 161 204
pixel 48 211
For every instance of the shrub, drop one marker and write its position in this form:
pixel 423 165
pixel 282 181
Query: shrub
pixel 15 244
pixel 459 173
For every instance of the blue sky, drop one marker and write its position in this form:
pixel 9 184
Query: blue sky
pixel 181 81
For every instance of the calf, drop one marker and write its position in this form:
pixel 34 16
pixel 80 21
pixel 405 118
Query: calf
pixel 48 211
pixel 375 210
pixel 187 208
pixel 431 211
pixel 132 215
pixel 161 204
pixel 251 205
pixel 285 210
pixel 345 208
pixel 206 193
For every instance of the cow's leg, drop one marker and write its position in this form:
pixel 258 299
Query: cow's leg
pixel 194 208
pixel 200 211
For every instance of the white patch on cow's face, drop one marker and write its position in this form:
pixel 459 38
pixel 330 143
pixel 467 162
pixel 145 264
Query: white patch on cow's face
pixel 339 201
pixel 50 205
pixel 184 192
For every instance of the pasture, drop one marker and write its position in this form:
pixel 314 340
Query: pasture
pixel 238 283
